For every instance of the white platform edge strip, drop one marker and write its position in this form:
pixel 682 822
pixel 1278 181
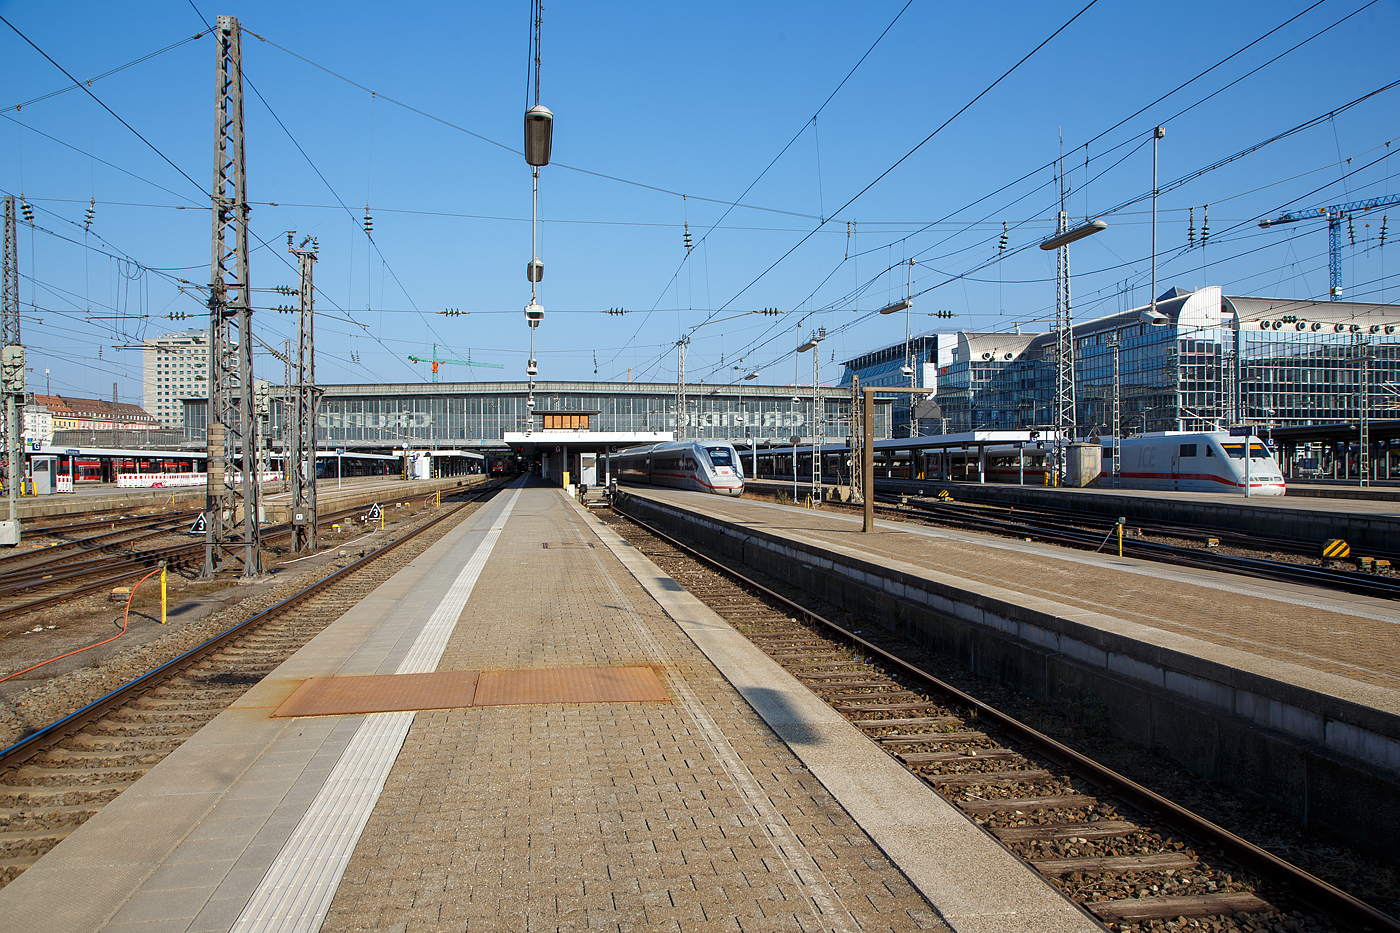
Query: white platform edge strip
pixel 296 892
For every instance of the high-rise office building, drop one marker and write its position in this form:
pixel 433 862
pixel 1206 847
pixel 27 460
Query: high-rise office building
pixel 175 367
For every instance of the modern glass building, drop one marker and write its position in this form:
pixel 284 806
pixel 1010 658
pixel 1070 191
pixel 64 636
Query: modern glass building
pixel 1217 361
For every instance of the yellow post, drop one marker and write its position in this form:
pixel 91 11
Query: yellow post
pixel 1120 537
pixel 162 593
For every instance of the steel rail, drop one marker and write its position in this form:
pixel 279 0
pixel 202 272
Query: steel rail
pixel 1294 881
pixel 136 564
pixel 36 743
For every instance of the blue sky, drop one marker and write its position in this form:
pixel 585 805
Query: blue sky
pixel 656 101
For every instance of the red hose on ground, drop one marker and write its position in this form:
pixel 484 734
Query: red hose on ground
pixel 125 618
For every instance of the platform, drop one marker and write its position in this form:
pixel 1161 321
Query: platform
pixel 1287 692
pixel 735 802
pixel 1368 522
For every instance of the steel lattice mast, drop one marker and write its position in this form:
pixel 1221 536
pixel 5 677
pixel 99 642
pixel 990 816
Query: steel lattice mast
pixel 1064 341
pixel 232 509
pixel 12 371
pixel 302 459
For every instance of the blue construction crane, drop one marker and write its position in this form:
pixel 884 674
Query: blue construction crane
pixel 1335 214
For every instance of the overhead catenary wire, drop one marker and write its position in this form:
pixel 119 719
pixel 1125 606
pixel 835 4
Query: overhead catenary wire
pixel 87 90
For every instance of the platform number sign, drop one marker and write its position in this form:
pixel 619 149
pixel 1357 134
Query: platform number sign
pixel 200 526
pixel 375 513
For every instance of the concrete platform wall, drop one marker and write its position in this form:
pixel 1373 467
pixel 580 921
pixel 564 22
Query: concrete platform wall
pixel 1321 759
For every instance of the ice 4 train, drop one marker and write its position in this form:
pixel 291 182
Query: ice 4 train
pixel 701 466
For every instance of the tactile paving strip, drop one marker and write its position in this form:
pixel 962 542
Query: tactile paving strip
pixel 388 693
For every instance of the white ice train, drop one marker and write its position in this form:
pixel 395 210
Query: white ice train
pixel 1189 462
pixel 702 466
pixel 1208 462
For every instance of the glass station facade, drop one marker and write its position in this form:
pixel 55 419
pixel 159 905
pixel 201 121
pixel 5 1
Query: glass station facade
pixel 479 414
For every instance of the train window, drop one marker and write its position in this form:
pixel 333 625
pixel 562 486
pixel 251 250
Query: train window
pixel 719 456
pixel 1256 451
pixel 1210 451
pixel 1188 450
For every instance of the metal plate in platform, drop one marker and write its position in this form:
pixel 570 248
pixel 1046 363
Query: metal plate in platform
pixel 569 685
pixel 388 693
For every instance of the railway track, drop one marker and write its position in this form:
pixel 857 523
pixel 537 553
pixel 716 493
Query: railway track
pixel 1132 858
pixel 55 779
pixel 37 580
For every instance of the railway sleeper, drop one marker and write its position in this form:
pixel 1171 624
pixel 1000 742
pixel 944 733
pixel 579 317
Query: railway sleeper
pixel 985 807
pixel 158 702
pixel 1098 830
pixel 98 747
pixel 1115 864
pixel 962 755
pixel 1029 776
pixel 47 796
pixel 177 726
pixel 22 845
pixel 887 707
pixel 46 817
pixel 1166 908
pixel 929 738
pixel 72 777
pixel 908 723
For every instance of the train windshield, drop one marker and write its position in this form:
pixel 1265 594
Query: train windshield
pixel 719 456
pixel 1256 451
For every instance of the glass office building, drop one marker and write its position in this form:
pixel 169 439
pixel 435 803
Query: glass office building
pixel 1217 361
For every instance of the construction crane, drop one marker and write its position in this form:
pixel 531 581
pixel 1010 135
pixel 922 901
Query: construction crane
pixel 1335 214
pixel 435 360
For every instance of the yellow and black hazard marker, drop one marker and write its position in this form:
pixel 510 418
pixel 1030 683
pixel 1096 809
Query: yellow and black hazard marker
pixel 945 495
pixel 1335 548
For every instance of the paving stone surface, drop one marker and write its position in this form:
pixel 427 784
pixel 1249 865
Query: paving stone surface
pixel 688 815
